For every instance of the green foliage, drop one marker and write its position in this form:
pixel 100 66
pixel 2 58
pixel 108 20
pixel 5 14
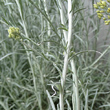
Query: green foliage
pixel 31 69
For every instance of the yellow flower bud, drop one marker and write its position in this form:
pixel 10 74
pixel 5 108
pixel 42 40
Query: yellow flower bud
pixel 107 22
pixel 99 14
pixel 96 6
pixel 103 3
pixel 99 4
pixel 98 11
pixel 99 17
pixel 102 7
pixel 104 18
pixel 108 10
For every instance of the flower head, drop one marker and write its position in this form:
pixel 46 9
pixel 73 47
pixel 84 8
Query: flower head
pixel 14 32
pixel 103 10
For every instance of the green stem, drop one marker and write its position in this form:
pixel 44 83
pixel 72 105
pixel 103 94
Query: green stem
pixel 62 19
pixel 49 28
pixel 66 56
pixel 75 95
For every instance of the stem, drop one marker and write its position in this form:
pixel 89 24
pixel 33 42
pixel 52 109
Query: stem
pixel 63 77
pixel 62 19
pixel 49 32
pixel 61 100
pixel 75 96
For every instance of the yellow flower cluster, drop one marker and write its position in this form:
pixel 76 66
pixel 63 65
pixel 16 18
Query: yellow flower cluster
pixel 107 22
pixel 101 4
pixel 103 10
pixel 100 15
pixel 14 33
